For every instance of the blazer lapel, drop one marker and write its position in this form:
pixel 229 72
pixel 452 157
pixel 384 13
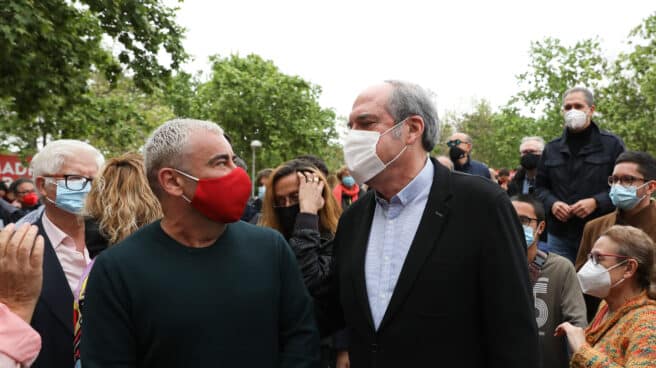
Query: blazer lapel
pixel 359 244
pixel 55 293
pixel 430 227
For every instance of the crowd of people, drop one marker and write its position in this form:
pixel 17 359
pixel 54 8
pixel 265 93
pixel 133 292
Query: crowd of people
pixel 398 259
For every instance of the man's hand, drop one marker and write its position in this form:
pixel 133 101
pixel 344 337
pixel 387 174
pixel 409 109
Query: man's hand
pixel 584 207
pixel 21 273
pixel 561 210
pixel 575 335
pixel 310 191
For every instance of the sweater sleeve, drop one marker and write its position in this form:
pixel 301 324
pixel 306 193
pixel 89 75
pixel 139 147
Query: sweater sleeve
pixel 640 350
pixel 19 343
pixel 299 337
pixel 571 296
pixel 314 254
pixel 107 338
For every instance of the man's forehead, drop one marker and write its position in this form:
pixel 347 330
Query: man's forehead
pixel 627 168
pixel 460 136
pixel 371 103
pixel 523 208
pixel 529 145
pixel 575 96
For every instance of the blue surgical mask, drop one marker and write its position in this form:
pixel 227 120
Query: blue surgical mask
pixel 70 200
pixel 260 191
pixel 529 235
pixel 348 181
pixel 625 198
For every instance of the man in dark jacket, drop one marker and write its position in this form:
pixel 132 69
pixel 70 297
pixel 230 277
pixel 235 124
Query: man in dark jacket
pixel 460 147
pixel 530 150
pixel 421 280
pixel 572 179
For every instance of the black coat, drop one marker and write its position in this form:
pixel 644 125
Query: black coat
pixel 53 316
pixel 567 178
pixel 463 297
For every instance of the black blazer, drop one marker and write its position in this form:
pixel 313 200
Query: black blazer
pixel 463 297
pixel 53 316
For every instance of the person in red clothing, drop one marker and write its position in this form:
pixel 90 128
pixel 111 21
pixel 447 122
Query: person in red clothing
pixel 347 191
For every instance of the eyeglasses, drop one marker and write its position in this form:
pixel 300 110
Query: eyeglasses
pixel 594 256
pixel 73 182
pixel 576 106
pixel 22 193
pixel 527 220
pixel 454 142
pixel 286 201
pixel 625 180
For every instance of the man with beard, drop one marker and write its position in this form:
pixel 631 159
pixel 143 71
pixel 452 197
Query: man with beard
pixel 530 151
pixel 460 147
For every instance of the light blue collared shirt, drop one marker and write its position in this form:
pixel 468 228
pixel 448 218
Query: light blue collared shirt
pixel 392 231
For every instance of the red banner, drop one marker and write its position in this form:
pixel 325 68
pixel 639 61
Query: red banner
pixel 11 168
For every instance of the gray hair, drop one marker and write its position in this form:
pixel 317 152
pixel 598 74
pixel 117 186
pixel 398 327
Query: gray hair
pixel 411 99
pixel 53 155
pixel 589 97
pixel 166 145
pixel 540 141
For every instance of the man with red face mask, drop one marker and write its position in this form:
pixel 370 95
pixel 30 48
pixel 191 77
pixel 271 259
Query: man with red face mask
pixel 198 288
pixel 26 200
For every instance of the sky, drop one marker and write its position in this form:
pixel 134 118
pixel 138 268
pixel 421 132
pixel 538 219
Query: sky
pixel 462 50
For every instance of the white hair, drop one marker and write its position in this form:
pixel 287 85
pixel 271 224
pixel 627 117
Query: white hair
pixel 165 146
pixel 54 154
pixel 537 139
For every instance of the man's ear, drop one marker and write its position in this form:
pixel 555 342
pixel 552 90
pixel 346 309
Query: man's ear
pixel 540 228
pixel 631 268
pixel 170 182
pixel 40 184
pixel 416 128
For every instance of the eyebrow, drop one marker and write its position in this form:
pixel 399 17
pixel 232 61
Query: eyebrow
pixel 219 157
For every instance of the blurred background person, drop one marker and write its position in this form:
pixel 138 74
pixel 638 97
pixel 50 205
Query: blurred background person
pixel 620 270
pixel 460 148
pixel 503 178
pixel 530 151
pixel 347 191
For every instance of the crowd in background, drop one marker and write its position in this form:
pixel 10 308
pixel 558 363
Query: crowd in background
pixel 395 259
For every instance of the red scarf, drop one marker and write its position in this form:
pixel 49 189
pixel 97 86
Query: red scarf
pixel 340 190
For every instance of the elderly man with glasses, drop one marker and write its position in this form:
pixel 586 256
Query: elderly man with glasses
pixel 632 186
pixel 62 171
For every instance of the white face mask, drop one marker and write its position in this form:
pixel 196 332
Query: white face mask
pixel 575 119
pixel 595 279
pixel 360 154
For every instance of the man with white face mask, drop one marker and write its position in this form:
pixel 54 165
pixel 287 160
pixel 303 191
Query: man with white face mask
pixel 573 171
pixel 631 188
pixel 421 279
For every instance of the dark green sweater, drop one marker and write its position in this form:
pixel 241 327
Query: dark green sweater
pixel 152 302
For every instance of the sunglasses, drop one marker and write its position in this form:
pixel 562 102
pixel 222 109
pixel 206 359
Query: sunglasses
pixel 454 142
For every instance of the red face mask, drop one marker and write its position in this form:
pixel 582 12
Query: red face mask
pixel 30 199
pixel 221 199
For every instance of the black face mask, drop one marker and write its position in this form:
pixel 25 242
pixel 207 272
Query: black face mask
pixel 455 154
pixel 287 218
pixel 529 161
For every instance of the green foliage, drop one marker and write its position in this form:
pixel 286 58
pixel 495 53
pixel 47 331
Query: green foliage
pixel 49 50
pixel 628 103
pixel 251 99
pixel 553 68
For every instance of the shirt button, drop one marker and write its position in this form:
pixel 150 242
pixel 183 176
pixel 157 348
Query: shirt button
pixel 387 258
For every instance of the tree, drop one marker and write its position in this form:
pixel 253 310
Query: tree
pixel 50 48
pixel 628 103
pixel 553 68
pixel 251 99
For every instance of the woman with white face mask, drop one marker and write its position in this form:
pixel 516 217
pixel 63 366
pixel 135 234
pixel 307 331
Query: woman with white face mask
pixel 620 270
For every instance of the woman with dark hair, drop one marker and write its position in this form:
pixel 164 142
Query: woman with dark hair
pixel 620 270
pixel 298 203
